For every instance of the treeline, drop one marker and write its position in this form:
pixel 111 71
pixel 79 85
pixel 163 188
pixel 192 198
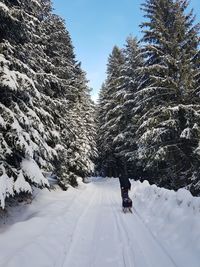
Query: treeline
pixel 46 114
pixel 149 105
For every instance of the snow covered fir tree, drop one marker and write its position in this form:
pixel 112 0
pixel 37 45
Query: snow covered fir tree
pixel 46 114
pixel 150 102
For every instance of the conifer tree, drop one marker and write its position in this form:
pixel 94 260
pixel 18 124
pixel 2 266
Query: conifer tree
pixel 168 129
pixel 24 147
pixel 44 100
pixel 110 113
pixel 132 80
pixel 80 145
pixel 124 84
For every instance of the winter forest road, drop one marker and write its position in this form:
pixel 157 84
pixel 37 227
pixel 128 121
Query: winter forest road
pixel 82 229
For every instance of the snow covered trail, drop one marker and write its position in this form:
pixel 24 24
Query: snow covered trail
pixel 82 228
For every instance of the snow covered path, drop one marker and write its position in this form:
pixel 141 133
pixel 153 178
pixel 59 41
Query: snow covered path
pixel 82 228
pixel 107 237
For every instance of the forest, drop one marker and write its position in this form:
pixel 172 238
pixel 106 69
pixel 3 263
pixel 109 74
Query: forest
pixel 149 105
pixel 146 124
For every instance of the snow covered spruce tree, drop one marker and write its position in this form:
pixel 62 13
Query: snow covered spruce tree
pixel 80 145
pixel 24 147
pixel 60 86
pixel 74 108
pixel 132 79
pixel 110 114
pixel 117 108
pixel 38 84
pixel 169 125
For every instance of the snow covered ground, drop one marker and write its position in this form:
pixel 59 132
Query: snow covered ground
pixel 85 227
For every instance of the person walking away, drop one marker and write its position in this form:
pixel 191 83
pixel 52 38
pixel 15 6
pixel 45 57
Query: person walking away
pixel 124 182
pixel 125 186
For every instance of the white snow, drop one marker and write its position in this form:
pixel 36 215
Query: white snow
pixel 3 6
pixel 16 80
pixel 21 185
pixel 2 122
pixel 6 188
pixel 33 172
pixel 36 2
pixel 174 220
pixel 9 78
pixel 2 57
pixel 186 133
pixel 23 140
pixel 85 227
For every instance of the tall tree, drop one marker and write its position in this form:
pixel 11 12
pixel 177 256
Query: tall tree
pixel 168 129
pixel 132 79
pixel 24 147
pixel 110 113
pixel 80 145
pixel 42 90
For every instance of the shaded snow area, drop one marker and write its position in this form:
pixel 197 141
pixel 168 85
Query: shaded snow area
pixel 85 227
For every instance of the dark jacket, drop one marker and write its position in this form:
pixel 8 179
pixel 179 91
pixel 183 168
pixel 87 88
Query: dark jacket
pixel 124 182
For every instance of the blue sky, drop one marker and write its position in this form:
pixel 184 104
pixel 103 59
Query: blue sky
pixel 97 25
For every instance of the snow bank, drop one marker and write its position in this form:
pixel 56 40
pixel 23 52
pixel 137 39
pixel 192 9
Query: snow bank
pixel 173 218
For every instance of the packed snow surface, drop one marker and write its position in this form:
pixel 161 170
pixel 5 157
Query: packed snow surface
pixel 85 227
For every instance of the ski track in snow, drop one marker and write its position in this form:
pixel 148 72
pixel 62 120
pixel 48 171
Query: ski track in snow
pixel 83 228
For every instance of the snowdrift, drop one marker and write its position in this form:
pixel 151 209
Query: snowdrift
pixel 172 217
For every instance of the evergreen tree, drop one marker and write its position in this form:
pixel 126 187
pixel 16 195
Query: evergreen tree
pixel 24 147
pixel 149 112
pixel 80 145
pixel 60 74
pixel 168 128
pixel 42 90
pixel 110 114
pixel 101 120
pixel 69 89
pixel 117 108
pixel 132 80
